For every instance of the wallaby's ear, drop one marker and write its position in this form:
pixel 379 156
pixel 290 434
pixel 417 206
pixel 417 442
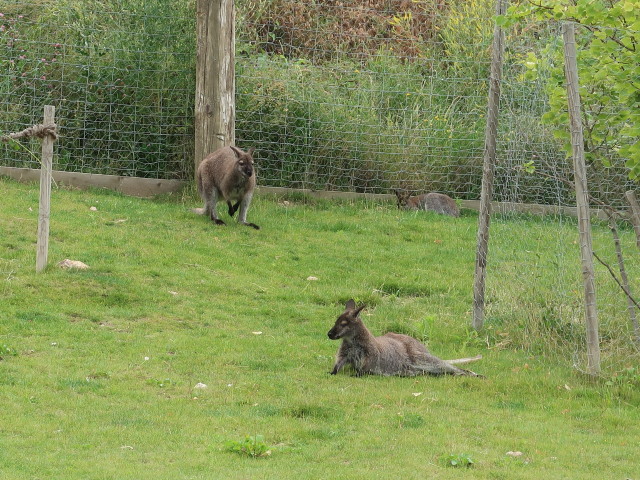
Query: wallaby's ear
pixel 236 150
pixel 251 150
pixel 351 305
pixel 359 309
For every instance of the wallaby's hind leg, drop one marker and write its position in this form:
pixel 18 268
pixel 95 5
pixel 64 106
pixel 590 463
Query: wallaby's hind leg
pixel 244 206
pixel 210 206
pixel 444 368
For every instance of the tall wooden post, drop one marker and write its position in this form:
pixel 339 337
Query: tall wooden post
pixel 215 77
pixel 488 169
pixel 582 198
pixel 45 192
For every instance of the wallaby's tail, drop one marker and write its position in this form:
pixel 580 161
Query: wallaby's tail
pixel 199 211
pixel 460 361
pixel 462 371
pixel 434 366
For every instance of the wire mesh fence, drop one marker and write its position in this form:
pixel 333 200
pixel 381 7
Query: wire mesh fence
pixel 352 95
pixel 119 75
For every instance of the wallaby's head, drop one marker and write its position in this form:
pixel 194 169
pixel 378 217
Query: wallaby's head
pixel 403 198
pixel 347 323
pixel 244 163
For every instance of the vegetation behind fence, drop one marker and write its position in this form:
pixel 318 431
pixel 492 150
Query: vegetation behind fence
pixel 359 96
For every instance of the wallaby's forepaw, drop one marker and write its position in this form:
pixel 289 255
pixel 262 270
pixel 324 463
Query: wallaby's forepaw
pixel 233 208
pixel 217 221
pixel 253 225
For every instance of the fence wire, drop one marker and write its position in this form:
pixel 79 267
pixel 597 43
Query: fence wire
pixel 120 75
pixel 365 96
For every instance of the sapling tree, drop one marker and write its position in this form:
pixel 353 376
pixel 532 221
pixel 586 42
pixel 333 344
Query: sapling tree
pixel 609 71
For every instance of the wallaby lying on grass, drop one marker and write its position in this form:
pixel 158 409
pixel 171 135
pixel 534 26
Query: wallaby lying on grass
pixel 227 174
pixel 390 354
pixel 435 202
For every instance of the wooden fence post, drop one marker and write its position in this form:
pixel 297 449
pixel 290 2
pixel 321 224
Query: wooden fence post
pixel 582 198
pixel 45 192
pixel 634 214
pixel 488 169
pixel 215 77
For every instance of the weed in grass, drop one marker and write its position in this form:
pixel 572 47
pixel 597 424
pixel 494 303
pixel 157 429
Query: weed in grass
pixel 80 385
pixel 410 420
pixel 266 410
pixel 458 460
pixel 313 411
pixel 509 405
pixel 167 382
pixel 7 351
pixel 625 384
pixel 252 446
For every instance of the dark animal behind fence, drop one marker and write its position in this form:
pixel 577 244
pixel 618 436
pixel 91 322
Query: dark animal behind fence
pixel 435 202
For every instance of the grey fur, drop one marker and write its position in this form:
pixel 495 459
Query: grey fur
pixel 435 202
pixel 227 174
pixel 390 354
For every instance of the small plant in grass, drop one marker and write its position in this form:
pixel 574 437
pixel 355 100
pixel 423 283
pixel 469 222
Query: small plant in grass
pixel 252 446
pixel 160 383
pixel 410 420
pixel 7 351
pixel 627 380
pixel 458 460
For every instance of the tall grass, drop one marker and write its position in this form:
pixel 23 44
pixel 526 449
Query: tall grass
pixel 369 127
pixel 120 74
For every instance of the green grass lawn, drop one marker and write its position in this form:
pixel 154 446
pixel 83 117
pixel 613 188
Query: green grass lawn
pixel 99 367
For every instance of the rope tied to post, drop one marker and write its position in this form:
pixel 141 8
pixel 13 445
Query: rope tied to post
pixel 39 131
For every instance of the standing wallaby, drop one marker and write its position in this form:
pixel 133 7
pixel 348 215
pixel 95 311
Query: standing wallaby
pixel 227 174
pixel 390 354
pixel 435 202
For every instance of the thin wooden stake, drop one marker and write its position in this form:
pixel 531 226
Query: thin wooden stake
pixel 635 214
pixel 488 169
pixel 582 199
pixel 45 192
pixel 624 280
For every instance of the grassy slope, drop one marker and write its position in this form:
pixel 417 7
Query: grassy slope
pixel 103 382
